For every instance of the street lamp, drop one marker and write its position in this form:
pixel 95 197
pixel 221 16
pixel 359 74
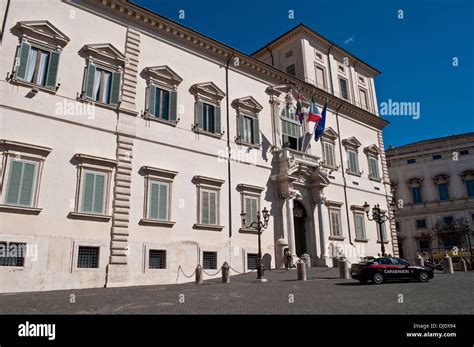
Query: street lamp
pixel 379 217
pixel 258 225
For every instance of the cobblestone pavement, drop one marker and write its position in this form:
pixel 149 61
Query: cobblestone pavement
pixel 323 293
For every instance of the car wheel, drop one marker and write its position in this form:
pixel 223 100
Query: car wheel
pixel 423 276
pixel 378 278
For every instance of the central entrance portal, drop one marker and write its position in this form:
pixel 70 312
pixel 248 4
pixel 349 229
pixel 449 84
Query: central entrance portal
pixel 299 217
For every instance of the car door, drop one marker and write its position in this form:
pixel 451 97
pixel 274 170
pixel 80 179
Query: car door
pixel 401 270
pixel 388 267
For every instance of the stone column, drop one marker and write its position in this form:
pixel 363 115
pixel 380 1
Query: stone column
pixel 324 259
pixel 290 225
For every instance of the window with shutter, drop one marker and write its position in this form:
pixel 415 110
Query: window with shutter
pixel 381 227
pixel 209 207
pixel 353 162
pixel 251 209
pixel 359 226
pixel 291 129
pixel 158 200
pixel 335 217
pixel 102 85
pixel 93 192
pixel 208 117
pixel 329 155
pixel 21 183
pixel 374 168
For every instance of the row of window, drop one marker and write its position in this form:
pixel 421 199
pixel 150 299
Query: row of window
pixel 359 223
pixel 438 156
pixel 442 190
pixel 14 253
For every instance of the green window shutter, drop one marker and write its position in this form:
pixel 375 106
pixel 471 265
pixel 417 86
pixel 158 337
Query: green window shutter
pixel 88 192
pixel 14 182
pixel 151 99
pixel 241 120
pixel 99 192
pixel 173 106
pixel 153 201
pixel 212 208
pixel 205 208
pixel 163 202
pixel 22 61
pixel 53 66
pixel 217 118
pixel 27 182
pixel 256 131
pixel 200 114
pixel 115 88
pixel 248 210
pixel 89 81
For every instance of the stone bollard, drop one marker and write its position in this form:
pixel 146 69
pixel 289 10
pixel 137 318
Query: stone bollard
pixel 344 269
pixel 225 273
pixel 463 265
pixel 448 264
pixel 301 269
pixel 306 258
pixel 199 274
pixel 419 261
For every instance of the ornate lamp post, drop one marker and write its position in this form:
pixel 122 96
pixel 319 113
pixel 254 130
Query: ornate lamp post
pixel 259 226
pixel 379 217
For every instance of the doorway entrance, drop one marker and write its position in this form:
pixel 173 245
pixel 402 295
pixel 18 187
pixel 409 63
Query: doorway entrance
pixel 299 218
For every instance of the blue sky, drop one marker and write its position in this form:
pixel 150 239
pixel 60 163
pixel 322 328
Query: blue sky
pixel 415 54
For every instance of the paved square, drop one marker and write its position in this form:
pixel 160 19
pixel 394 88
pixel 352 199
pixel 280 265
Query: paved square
pixel 323 293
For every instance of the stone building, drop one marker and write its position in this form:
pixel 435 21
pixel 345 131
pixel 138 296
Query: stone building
pixel 130 145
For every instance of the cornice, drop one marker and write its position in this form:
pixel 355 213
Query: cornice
pixel 169 29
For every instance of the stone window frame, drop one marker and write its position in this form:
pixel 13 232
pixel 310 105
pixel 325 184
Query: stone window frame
pixel 247 107
pixel 247 190
pixel 413 183
pixel 465 176
pixel 147 246
pixel 43 35
pixel 352 144
pixel 203 183
pixel 320 64
pixel 335 206
pixel 329 136
pixel 208 93
pixel 373 152
pixel 13 150
pixel 442 178
pixel 84 163
pixel 359 210
pixel 153 174
pixel 103 255
pixel 105 57
pixel 162 77
pixel 28 260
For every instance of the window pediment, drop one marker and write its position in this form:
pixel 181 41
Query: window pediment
pixel 467 175
pixel 207 90
pixel 81 159
pixel 441 178
pixel 351 143
pixel 247 103
pixel 157 172
pixel 104 52
pixel 44 31
pixel 209 181
pixel 162 74
pixel 329 135
pixel 372 150
pixel 249 188
pixel 415 181
pixel 14 148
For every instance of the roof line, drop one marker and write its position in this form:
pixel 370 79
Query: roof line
pixel 438 139
pixel 331 43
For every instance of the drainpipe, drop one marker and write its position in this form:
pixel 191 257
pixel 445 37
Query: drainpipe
pixel 228 145
pixel 343 175
pixel 330 72
pixel 7 7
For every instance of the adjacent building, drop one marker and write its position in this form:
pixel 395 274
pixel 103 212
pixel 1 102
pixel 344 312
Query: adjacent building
pixel 433 186
pixel 131 144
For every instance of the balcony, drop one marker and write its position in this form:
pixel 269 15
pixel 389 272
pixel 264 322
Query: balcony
pixel 291 155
